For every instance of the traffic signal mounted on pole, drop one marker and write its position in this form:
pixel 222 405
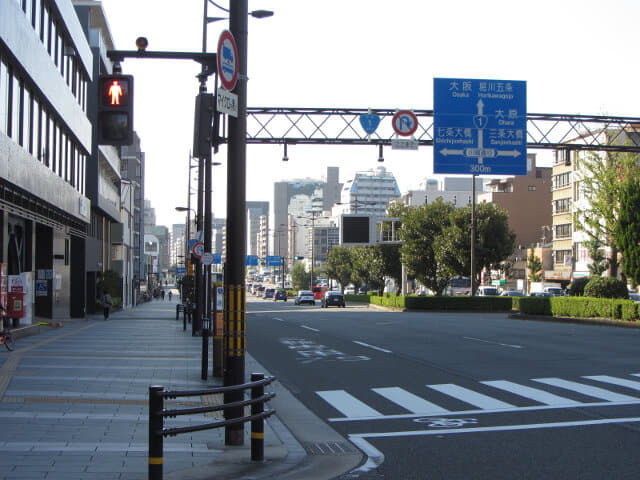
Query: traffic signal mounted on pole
pixel 115 110
pixel 203 128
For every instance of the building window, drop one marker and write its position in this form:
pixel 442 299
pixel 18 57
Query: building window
pixel 532 188
pixel 562 180
pixel 562 231
pixel 4 95
pixel 561 206
pixel 562 257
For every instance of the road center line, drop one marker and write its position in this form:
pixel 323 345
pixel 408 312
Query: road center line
pixel 278 319
pixel 309 328
pixel 384 350
pixel 493 343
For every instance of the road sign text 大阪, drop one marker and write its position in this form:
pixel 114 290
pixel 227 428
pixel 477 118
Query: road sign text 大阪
pixel 480 127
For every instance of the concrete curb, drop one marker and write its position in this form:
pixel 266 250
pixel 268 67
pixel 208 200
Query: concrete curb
pixel 603 322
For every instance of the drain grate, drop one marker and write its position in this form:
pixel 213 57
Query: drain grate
pixel 329 448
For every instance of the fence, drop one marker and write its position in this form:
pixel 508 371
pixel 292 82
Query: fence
pixel 157 414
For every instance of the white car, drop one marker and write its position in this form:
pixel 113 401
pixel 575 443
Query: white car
pixel 350 291
pixel 305 296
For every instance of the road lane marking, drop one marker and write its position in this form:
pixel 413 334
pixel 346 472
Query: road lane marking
pixel 346 403
pixel 309 328
pixel 588 390
pixel 278 319
pixel 532 393
pixel 493 343
pixel 380 349
pixel 409 401
pixel 502 428
pixel 469 396
pixel 615 381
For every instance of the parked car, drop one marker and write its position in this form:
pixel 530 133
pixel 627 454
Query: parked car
pixel 333 298
pixel 362 291
pixel 487 291
pixel 280 295
pixel 350 290
pixel 541 294
pixel 269 292
pixel 555 291
pixel 305 296
pixel 635 297
pixel 512 293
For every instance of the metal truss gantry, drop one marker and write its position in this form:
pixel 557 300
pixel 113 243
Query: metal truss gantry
pixel 341 126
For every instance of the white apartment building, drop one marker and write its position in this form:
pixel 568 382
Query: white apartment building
pixel 368 193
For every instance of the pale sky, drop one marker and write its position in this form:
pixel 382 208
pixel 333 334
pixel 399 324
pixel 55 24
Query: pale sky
pixel 577 57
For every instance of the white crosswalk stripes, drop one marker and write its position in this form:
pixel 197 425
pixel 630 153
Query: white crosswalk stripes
pixel 472 398
pixel 616 381
pixel 595 392
pixel 409 401
pixel 349 405
pixel 419 403
pixel 541 396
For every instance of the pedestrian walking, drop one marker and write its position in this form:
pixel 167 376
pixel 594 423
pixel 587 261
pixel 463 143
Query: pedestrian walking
pixel 107 303
pixel 162 294
pixel 170 295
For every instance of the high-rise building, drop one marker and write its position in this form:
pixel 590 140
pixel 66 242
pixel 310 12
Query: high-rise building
pixel 296 198
pixel 368 193
pixel 254 211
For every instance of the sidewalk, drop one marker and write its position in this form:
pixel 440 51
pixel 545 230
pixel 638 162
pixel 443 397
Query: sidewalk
pixel 73 405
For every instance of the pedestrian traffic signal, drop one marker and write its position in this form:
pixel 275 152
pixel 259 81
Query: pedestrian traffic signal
pixel 297 257
pixel 115 110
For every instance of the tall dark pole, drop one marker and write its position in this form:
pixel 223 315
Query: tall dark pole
pixel 197 265
pixel 473 235
pixel 234 304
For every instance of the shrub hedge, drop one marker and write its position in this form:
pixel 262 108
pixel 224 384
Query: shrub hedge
pixel 579 307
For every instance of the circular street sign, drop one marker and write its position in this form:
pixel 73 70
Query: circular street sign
pixel 227 60
pixel 207 258
pixel 198 249
pixel 404 122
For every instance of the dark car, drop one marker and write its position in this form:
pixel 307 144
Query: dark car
pixel 280 295
pixel 333 298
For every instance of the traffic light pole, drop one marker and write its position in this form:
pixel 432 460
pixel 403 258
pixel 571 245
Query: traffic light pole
pixel 234 278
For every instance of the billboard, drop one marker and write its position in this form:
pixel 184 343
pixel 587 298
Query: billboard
pixel 357 230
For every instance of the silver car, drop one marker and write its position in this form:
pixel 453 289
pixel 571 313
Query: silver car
pixel 305 296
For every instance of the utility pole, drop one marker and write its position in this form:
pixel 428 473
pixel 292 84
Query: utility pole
pixel 234 278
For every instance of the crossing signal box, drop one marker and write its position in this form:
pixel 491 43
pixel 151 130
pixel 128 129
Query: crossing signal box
pixel 115 110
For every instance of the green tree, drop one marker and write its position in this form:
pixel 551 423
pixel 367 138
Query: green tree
pixel 599 261
pixel 600 181
pixel 300 278
pixel 494 240
pixel 340 265
pixel 364 268
pixel 421 226
pixel 534 266
pixel 391 262
pixel 628 228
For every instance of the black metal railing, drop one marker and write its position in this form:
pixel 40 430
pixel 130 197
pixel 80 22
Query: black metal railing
pixel 157 414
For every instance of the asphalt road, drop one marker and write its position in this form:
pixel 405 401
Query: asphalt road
pixel 460 396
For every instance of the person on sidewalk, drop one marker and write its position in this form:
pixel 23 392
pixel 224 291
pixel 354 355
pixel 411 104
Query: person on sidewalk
pixel 107 303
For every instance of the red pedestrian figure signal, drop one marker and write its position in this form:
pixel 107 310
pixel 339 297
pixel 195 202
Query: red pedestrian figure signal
pixel 115 92
pixel 115 110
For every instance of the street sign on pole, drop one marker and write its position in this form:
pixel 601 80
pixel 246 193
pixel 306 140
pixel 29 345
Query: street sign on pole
pixel 207 258
pixel 480 127
pixel 227 102
pixel 227 60
pixel 198 249
pixel 274 261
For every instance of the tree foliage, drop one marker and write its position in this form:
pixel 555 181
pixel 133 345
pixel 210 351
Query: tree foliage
pixel 421 226
pixel 340 265
pixel 600 181
pixel 628 228
pixel 599 261
pixel 606 287
pixel 534 266
pixel 300 278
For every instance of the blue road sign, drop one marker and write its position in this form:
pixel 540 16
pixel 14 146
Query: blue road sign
pixel 273 261
pixel 181 270
pixel 369 123
pixel 252 261
pixel 217 258
pixel 480 126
